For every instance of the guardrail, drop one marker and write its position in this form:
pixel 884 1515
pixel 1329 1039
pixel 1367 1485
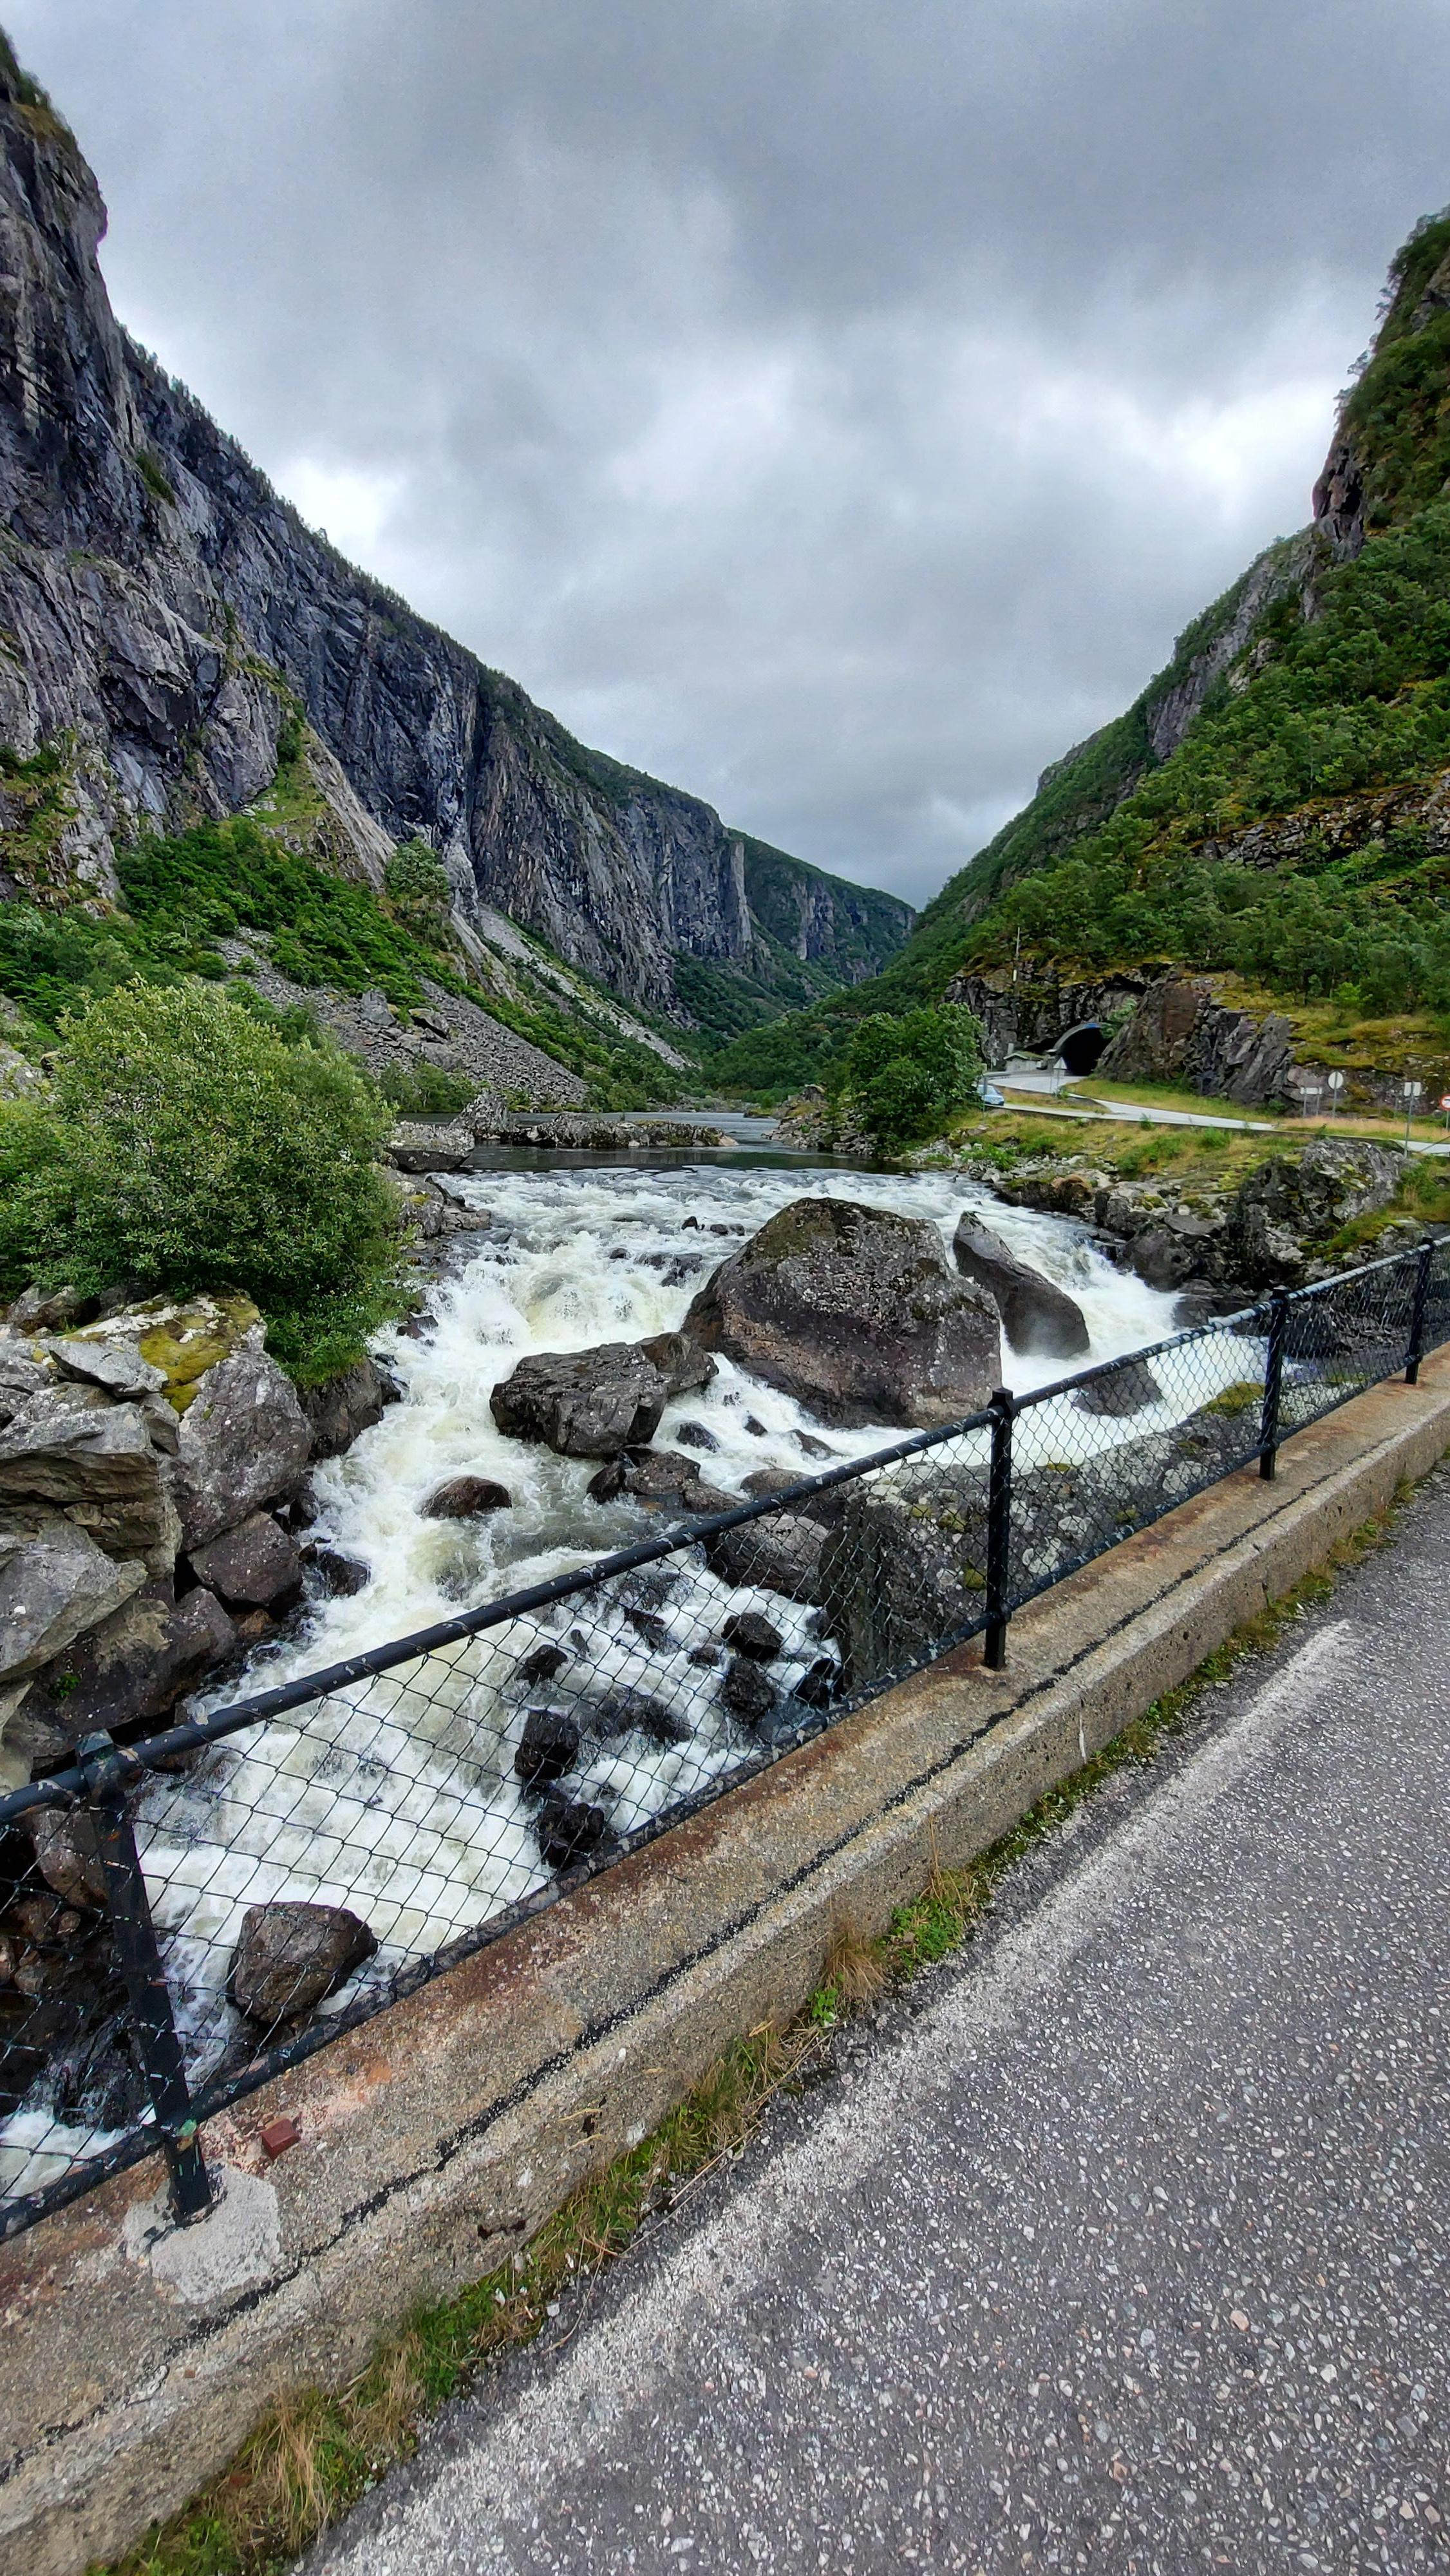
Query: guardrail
pixel 183 1917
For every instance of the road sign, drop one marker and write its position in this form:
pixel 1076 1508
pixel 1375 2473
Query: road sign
pixel 1445 1100
pixel 1335 1081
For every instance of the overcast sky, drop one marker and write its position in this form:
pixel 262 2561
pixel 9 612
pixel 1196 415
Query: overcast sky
pixel 834 408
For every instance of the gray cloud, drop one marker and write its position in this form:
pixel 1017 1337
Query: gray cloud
pixel 836 411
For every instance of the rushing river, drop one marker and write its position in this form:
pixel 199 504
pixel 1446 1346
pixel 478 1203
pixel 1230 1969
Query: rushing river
pixel 397 1798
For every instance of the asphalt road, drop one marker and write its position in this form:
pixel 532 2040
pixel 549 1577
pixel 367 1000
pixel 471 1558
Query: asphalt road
pixel 1120 2245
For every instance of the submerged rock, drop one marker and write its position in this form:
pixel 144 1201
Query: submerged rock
pixel 465 1498
pixel 747 1691
pixel 339 1575
pixel 750 1634
pixel 1037 1317
pixel 855 1312
pixel 290 1956
pixel 568 1830
pixel 548 1747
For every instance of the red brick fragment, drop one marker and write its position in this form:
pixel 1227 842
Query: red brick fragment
pixel 279 2135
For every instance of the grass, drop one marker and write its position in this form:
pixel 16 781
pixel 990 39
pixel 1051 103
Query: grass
pixel 314 2455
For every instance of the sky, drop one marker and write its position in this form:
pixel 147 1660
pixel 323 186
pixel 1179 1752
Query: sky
pixel 833 408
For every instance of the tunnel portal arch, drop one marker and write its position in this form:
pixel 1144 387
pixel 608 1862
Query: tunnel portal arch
pixel 1079 1048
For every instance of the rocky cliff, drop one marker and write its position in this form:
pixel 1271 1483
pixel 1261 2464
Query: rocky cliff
pixel 165 618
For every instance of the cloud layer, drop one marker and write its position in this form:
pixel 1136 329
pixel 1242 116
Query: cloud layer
pixel 835 411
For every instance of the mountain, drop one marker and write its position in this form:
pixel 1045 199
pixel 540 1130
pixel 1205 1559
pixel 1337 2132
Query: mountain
pixel 176 648
pixel 1274 809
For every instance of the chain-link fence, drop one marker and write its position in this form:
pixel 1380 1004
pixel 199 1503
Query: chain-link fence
pixel 183 1917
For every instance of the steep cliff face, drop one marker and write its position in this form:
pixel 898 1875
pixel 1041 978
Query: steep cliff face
pixel 164 615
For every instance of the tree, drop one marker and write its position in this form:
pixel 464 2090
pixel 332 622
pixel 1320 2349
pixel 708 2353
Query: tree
pixel 907 1078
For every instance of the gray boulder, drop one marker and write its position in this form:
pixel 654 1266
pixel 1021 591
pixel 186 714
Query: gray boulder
pixel 44 1310
pixel 659 1476
pixel 1281 1211
pixel 465 1498
pixel 548 1747
pixel 856 1313
pixel 584 1404
pixel 133 1667
pixel 244 1441
pixel 779 1553
pixel 1129 1388
pixel 417 1147
pixel 97 1461
pixel 290 1955
pixel 682 1361
pixel 1037 1317
pixel 255 1565
pixel 24 1371
pixel 68 1856
pixel 754 1636
pixel 346 1405
pixel 55 1583
pixel 117 1368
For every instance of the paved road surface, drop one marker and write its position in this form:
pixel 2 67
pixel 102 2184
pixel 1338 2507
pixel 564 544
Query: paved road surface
pixel 1121 2247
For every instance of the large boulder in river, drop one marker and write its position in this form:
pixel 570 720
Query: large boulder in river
pixel 1037 1317
pixel 244 1441
pixel 290 1956
pixel 856 1313
pixel 254 1567
pixel 585 1404
pixel 345 1405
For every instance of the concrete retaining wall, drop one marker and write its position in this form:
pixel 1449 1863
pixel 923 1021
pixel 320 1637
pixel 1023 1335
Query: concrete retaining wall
pixel 135 2357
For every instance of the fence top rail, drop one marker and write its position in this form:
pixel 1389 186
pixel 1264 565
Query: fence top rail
pixel 62 1787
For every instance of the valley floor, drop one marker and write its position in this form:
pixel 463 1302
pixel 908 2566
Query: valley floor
pixel 1118 2245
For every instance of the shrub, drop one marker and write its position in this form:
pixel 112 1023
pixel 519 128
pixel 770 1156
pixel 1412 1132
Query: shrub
pixel 426 1090
pixel 186 1146
pixel 417 881
pixel 908 1078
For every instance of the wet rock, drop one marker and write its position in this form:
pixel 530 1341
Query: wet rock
pixel 68 1856
pixel 855 1312
pixel 548 1747
pixel 255 1565
pixel 569 1831
pixel 1037 1317
pixel 635 1712
pixel 68 1446
pixel 344 1406
pixel 659 1477
pixel 695 1436
pixel 747 1691
pixel 649 1625
pixel 756 1429
pixel 55 1583
pixel 810 1447
pixel 290 1956
pixel 465 1498
pixel 751 1634
pixel 705 1656
pixel 823 1507
pixel 682 1361
pixel 116 1367
pixel 542 1665
pixel 135 1666
pixel 584 1404
pixel 244 1441
pixel 339 1575
pixel 819 1683
pixel 1126 1389
pixel 780 1553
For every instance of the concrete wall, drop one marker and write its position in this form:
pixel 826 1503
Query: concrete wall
pixel 136 2357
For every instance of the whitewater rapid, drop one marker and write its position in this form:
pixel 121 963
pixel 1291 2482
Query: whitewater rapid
pixel 397 1797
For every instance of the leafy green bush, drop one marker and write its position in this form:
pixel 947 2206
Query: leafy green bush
pixel 186 1146
pixel 908 1078
pixel 417 882
pixel 426 1090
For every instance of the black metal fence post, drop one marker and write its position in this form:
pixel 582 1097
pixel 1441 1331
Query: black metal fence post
pixel 138 1962
pixel 1418 1311
pixel 1273 1382
pixel 999 1529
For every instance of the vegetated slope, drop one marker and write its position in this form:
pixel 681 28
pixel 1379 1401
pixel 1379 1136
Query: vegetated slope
pixel 1277 802
pixel 167 621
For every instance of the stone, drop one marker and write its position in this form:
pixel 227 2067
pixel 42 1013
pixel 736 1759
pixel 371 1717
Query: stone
pixel 417 1147
pixel 255 1565
pixel 635 1712
pixel 68 1857
pixel 1039 1319
pixel 116 1367
pixel 55 1583
pixel 568 1830
pixel 244 1441
pixel 339 1575
pixel 747 1691
pixel 779 1553
pixel 682 1361
pixel 695 1436
pixel 1128 1388
pixel 750 1634
pixel 25 1370
pixel 1289 1204
pixel 465 1498
pixel 346 1405
pixel 659 1476
pixel 823 1506
pixel 68 1446
pixel 45 1310
pixel 541 1665
pixel 855 1312
pixel 291 1955
pixel 810 1447
pixel 1165 1256
pixel 819 1683
pixel 133 1667
pixel 584 1404
pixel 548 1747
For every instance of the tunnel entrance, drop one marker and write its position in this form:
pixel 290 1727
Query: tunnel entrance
pixel 1079 1050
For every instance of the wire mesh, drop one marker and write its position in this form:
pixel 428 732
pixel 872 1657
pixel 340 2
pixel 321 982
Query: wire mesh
pixel 314 1853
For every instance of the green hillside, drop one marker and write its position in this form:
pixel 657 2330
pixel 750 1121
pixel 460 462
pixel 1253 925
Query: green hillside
pixel 1297 833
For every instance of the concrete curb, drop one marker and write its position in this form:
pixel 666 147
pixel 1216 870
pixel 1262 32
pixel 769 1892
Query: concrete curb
pixel 438 2137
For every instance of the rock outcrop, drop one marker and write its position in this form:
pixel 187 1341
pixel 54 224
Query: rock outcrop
pixel 1037 1317
pixel 1181 1033
pixel 856 1313
pixel 167 615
